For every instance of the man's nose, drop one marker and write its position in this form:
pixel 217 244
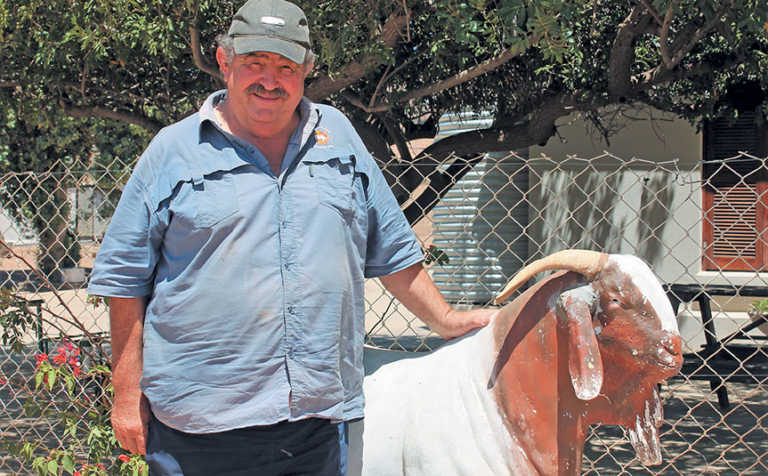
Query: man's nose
pixel 269 78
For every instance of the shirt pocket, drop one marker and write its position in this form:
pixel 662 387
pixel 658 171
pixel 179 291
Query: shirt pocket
pixel 332 177
pixel 214 199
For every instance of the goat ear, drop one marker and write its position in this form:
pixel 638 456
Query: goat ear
pixel 584 362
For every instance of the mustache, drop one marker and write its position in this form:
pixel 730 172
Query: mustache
pixel 259 89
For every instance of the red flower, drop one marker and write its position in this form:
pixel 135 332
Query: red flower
pixel 124 458
pixel 60 358
pixel 77 371
pixel 77 473
pixel 40 358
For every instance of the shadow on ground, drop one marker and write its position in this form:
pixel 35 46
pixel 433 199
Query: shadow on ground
pixel 698 437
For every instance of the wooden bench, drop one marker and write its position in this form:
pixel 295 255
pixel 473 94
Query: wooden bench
pixel 737 357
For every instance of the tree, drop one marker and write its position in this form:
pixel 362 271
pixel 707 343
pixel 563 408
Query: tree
pixel 394 66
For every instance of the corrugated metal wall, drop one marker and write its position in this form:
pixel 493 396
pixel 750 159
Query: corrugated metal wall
pixel 480 223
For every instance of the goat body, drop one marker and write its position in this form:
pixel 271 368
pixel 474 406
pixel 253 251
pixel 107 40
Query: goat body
pixel 517 397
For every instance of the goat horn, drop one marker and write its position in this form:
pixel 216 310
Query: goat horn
pixel 585 262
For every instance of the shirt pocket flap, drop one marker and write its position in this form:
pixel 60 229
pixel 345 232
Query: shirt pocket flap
pixel 341 155
pixel 203 200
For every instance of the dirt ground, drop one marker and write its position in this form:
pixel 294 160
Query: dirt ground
pixel 698 438
pixel 29 253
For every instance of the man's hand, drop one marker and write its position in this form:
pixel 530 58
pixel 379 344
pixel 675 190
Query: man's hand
pixel 457 323
pixel 413 287
pixel 130 418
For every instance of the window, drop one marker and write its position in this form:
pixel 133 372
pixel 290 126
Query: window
pixel 735 194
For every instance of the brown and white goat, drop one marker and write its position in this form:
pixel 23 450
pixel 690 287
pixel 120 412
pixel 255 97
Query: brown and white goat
pixel 582 347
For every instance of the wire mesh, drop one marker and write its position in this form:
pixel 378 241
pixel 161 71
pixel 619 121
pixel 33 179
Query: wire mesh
pixel 701 226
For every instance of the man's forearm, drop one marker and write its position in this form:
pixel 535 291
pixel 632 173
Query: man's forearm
pixel 414 288
pixel 130 409
pixel 126 317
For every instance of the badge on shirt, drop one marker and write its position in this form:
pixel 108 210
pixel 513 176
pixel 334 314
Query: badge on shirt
pixel 322 137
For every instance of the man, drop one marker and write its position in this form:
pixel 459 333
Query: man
pixel 235 264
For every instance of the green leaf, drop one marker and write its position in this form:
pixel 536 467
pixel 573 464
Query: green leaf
pixel 70 381
pixel 39 465
pixel 68 464
pixel 51 376
pixel 52 467
pixel 38 379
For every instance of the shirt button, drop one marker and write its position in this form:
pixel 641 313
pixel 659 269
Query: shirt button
pixel 287 266
pixel 291 310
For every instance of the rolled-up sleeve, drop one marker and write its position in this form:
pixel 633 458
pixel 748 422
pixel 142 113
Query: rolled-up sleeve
pixel 392 245
pixel 125 263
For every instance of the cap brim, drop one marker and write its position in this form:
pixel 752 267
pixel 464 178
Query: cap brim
pixel 293 51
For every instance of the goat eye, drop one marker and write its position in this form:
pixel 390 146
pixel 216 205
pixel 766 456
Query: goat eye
pixel 604 319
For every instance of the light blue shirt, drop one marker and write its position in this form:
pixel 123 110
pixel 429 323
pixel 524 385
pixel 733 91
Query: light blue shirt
pixel 256 312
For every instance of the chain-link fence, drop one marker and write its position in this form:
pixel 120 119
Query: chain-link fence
pixel 701 226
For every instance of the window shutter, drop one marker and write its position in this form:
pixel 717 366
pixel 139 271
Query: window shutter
pixel 734 195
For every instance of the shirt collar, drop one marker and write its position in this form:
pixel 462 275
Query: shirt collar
pixel 309 116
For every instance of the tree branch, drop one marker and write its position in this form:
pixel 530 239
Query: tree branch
pixel 358 103
pixel 697 36
pixel 664 36
pixel 455 80
pixel 423 130
pixel 200 60
pixel 623 52
pixel 660 75
pixel 372 139
pixel 508 134
pixel 106 93
pixel 652 11
pixel 325 85
pixel 466 75
pixel 663 74
pixel 686 42
pixel 397 137
pixel 102 112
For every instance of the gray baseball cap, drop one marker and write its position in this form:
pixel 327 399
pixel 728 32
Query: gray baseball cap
pixel 275 26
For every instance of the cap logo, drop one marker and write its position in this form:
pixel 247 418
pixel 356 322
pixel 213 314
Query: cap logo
pixel 273 21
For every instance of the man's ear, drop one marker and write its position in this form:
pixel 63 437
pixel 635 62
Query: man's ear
pixel 308 67
pixel 221 58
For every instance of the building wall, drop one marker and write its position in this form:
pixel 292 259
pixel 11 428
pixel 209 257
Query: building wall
pixel 13 233
pixel 666 199
pixel 654 212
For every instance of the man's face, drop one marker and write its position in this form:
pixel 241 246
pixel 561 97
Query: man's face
pixel 264 90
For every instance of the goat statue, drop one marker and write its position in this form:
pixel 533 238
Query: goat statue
pixel 585 346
